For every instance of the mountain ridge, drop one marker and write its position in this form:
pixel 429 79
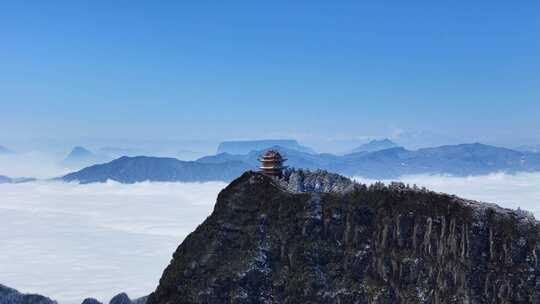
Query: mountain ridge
pixel 392 163
pixel 375 145
pixel 162 169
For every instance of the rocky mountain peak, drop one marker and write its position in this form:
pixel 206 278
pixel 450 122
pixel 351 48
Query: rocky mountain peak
pixel 287 241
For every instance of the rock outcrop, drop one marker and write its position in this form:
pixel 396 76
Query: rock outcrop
pixel 123 298
pixel 270 241
pixel 91 301
pixel 12 296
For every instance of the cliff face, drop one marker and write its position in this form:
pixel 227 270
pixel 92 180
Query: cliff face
pixel 266 244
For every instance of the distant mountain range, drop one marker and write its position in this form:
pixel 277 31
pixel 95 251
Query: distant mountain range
pixel 246 146
pixel 159 169
pixel 376 145
pixel 457 160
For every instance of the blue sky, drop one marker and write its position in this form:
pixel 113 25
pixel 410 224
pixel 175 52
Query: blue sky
pixel 314 70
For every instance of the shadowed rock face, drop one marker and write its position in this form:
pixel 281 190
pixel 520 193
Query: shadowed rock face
pixel 266 244
pixel 123 298
pixel 91 301
pixel 12 296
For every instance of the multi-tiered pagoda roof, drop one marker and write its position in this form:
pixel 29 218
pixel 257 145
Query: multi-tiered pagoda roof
pixel 272 163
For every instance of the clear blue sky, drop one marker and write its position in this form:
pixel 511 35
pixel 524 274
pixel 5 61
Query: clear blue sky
pixel 259 69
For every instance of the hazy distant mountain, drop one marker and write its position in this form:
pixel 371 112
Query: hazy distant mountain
pixel 19 180
pixel 158 169
pixel 80 153
pixel 458 160
pixel 529 148
pixel 246 146
pixel 81 157
pixel 424 139
pixel 376 145
pixel 4 150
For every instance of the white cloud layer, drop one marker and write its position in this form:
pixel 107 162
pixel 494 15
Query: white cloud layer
pixel 31 164
pixel 70 241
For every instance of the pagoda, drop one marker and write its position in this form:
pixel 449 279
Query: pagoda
pixel 272 163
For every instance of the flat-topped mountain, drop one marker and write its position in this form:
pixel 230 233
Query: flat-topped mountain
pixel 246 146
pixel 160 169
pixel 270 242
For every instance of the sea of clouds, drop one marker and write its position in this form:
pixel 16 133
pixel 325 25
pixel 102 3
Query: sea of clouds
pixel 32 164
pixel 71 241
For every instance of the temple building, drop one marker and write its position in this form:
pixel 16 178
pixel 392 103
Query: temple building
pixel 272 163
